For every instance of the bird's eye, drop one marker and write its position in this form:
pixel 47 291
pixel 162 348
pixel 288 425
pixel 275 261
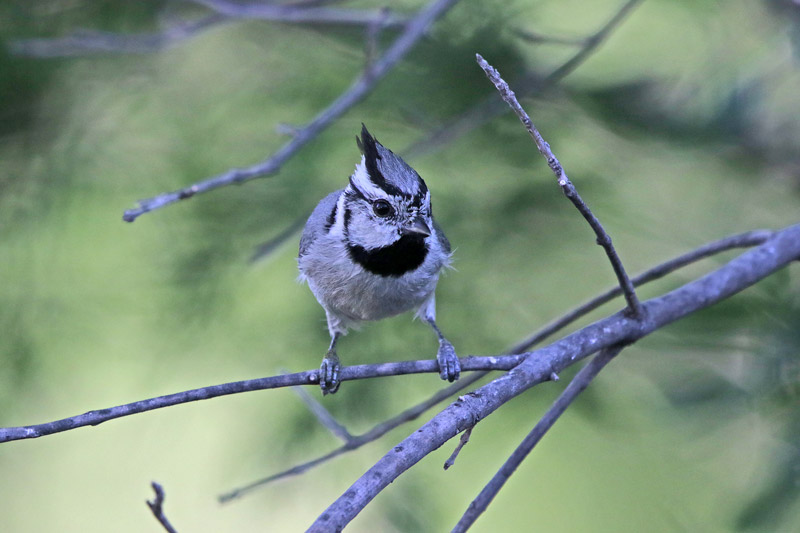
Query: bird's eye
pixel 382 208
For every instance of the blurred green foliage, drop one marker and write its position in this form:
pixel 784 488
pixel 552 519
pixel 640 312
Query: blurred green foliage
pixel 682 128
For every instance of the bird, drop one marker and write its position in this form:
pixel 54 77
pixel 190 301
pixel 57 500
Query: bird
pixel 373 250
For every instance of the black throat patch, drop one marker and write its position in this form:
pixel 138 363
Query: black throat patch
pixel 403 256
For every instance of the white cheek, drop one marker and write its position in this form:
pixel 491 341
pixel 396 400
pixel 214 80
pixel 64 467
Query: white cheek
pixel 338 228
pixel 372 234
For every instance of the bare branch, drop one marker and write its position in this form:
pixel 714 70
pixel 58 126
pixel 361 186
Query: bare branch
pixel 461 443
pixel 88 42
pixel 532 82
pixel 603 238
pixel 372 435
pixel 741 272
pixel 591 44
pixel 742 240
pixel 297 14
pixel 371 40
pixel 539 38
pixel 575 387
pixel 323 415
pixel 309 377
pixel 156 505
pixel 266 249
pixel 414 30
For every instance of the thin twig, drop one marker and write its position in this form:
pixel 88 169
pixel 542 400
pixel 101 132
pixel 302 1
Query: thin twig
pixel 540 38
pixel 414 30
pixel 461 443
pixel 87 42
pixel 742 240
pixel 156 505
pixel 741 272
pixel 323 415
pixel 532 82
pixel 266 249
pixel 296 14
pixel 592 42
pixel 575 387
pixel 309 377
pixel 308 3
pixel 603 238
pixel 371 40
pixel 372 435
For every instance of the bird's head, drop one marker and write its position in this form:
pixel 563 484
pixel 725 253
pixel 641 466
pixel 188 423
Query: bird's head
pixel 386 200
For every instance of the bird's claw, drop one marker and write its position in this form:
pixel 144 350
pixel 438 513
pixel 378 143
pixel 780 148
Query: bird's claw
pixel 449 365
pixel 329 373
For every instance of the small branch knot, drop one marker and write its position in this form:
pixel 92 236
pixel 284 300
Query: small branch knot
pixel 604 240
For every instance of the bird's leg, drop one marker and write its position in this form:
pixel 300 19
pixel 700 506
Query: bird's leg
pixel 449 366
pixel 329 369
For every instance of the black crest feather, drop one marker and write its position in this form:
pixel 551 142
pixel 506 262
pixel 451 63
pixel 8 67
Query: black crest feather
pixel 371 149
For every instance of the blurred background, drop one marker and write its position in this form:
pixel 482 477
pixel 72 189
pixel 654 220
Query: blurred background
pixel 681 128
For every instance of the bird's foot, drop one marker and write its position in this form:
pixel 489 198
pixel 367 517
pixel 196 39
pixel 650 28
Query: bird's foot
pixel 329 373
pixel 449 365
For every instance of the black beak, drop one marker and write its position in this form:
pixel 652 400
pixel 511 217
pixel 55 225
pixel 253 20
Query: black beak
pixel 418 226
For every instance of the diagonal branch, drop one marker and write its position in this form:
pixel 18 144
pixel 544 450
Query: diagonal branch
pixel 540 38
pixel 362 86
pixel 575 387
pixel 591 44
pixel 372 435
pixel 324 416
pixel 742 240
pixel 738 274
pixel 603 238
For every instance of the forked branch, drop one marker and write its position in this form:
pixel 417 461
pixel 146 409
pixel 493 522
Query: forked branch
pixel 742 240
pixel 564 400
pixel 156 506
pixel 738 274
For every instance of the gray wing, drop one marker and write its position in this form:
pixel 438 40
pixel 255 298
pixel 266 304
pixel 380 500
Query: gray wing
pixel 320 220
